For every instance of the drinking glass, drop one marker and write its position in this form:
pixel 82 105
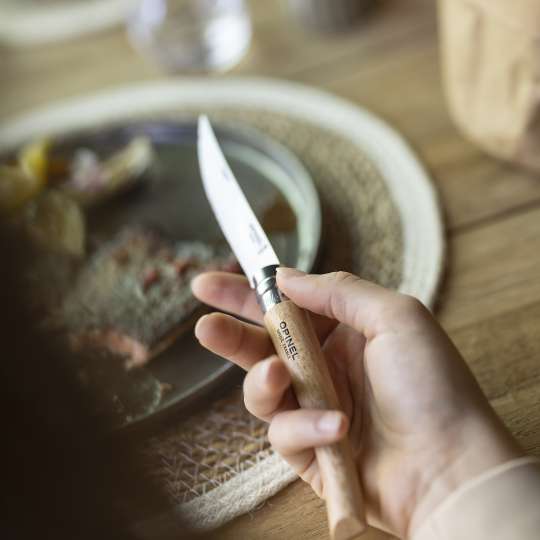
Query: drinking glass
pixel 191 35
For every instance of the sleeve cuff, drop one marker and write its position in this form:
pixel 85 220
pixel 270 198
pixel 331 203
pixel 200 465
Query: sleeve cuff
pixel 500 504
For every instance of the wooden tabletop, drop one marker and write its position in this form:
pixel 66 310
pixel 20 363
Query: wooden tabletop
pixel 490 298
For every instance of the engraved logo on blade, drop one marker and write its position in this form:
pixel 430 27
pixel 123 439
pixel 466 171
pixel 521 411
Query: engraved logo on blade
pixel 226 175
pixel 230 206
pixel 256 239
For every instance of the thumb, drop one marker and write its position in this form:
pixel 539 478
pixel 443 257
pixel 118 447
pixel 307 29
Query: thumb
pixel 341 296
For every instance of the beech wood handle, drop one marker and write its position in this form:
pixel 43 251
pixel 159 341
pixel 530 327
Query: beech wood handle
pixel 297 345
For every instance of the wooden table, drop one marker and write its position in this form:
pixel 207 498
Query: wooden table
pixel 490 298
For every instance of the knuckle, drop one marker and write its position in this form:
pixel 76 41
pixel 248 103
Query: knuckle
pixel 280 429
pixel 411 305
pixel 407 308
pixel 239 341
pixel 336 306
pixel 245 303
pixel 273 432
pixel 308 469
pixel 342 277
pixel 259 399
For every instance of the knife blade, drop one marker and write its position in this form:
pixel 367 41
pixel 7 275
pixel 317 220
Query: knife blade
pixel 289 327
pixel 231 208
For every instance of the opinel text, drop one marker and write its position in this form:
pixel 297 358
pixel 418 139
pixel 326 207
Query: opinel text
pixel 287 341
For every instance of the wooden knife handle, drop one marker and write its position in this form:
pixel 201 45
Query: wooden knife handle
pixel 297 345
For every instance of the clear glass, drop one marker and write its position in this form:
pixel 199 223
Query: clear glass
pixel 191 35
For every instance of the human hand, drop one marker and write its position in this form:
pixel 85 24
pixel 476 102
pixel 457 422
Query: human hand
pixel 417 420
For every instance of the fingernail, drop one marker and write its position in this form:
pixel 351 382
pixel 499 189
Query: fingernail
pixel 198 326
pixel 285 272
pixel 193 282
pixel 330 422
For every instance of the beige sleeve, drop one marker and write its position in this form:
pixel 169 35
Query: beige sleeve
pixel 501 504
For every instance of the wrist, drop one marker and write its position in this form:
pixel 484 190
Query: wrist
pixel 476 447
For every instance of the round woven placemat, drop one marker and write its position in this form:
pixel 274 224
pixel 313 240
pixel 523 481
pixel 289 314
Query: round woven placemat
pixel 381 220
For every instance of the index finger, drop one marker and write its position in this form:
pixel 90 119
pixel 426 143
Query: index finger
pixel 232 293
pixel 228 292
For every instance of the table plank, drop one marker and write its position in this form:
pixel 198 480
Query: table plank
pixel 492 269
pixel 521 412
pixel 284 49
pixel 294 513
pixel 504 351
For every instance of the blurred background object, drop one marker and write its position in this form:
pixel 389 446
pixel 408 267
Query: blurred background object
pixel 328 15
pixel 34 22
pixel 191 35
pixel 491 65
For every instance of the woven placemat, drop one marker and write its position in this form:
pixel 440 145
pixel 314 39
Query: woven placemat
pixel 381 220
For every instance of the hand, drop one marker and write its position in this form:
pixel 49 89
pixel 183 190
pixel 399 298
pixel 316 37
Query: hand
pixel 417 420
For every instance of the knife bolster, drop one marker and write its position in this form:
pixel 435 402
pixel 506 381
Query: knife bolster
pixel 266 289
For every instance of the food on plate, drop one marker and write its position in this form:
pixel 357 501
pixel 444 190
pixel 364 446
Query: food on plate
pixel 42 190
pixel 24 178
pixel 115 302
pixel 133 296
pixel 93 181
pixel 34 159
pixel 55 222
pixel 82 175
pixel 113 394
pixel 17 188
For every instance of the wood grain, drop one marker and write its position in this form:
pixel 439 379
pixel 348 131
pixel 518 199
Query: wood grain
pixel 490 299
pixel 298 346
pixel 492 269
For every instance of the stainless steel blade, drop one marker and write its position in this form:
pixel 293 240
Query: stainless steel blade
pixel 231 208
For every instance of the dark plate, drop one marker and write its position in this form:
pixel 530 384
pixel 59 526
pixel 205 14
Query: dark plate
pixel 171 198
